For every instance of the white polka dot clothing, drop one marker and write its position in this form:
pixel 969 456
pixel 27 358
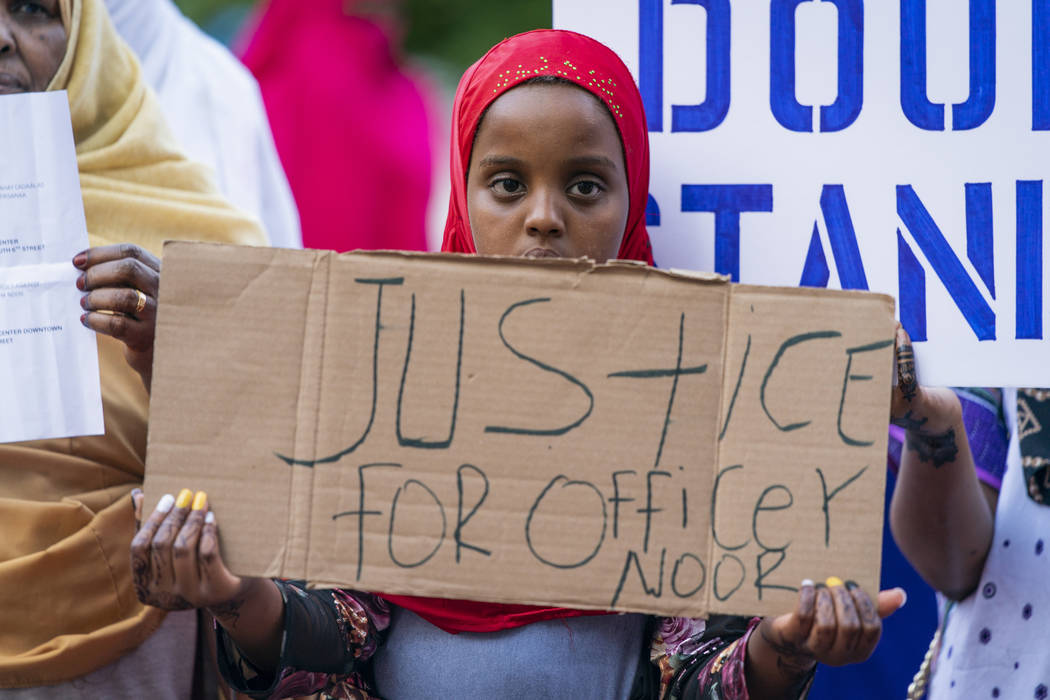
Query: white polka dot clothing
pixel 996 643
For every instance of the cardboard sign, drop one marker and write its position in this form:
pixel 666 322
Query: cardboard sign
pixel 894 146
pixel 550 432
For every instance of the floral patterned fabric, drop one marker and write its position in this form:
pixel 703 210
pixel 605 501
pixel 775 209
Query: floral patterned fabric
pixel 701 658
pixel 691 658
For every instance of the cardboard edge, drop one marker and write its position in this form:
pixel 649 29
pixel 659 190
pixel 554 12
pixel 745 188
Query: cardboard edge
pixel 683 273
pixel 813 292
pixel 582 265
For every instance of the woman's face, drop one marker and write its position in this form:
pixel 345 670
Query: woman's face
pixel 32 44
pixel 547 176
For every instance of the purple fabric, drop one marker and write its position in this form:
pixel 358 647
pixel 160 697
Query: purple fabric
pixel 985 430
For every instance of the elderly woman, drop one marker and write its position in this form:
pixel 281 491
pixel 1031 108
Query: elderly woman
pixel 68 609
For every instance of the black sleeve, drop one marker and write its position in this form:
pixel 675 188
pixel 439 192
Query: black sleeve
pixel 314 640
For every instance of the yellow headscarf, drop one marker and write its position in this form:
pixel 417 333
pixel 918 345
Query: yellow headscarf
pixel 67 605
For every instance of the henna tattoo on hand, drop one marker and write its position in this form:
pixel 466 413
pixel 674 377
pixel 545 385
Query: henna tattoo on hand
pixel 823 628
pixel 793 662
pixel 140 575
pixel 909 422
pixel 866 610
pixel 157 563
pixel 906 378
pixel 180 550
pixel 845 604
pixel 170 601
pixel 229 613
pixel 938 449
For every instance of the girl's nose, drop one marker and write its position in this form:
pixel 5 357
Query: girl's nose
pixel 544 216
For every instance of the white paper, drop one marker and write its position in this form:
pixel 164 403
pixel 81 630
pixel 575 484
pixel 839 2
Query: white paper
pixel 49 377
pixel 980 174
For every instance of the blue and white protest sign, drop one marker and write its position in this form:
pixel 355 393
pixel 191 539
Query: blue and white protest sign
pixel 899 146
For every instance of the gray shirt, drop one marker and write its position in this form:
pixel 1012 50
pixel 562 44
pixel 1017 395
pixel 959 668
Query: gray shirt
pixel 578 657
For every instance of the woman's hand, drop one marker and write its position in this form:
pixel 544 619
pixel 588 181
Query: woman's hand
pixel 121 282
pixel 928 412
pixel 834 623
pixel 941 516
pixel 175 560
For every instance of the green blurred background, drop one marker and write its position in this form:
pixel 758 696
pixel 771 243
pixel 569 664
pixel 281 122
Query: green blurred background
pixel 445 35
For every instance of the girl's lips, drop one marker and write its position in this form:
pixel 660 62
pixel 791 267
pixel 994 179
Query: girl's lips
pixel 540 253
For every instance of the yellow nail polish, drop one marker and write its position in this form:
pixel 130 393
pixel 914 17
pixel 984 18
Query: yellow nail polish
pixel 200 500
pixel 185 496
pixel 833 581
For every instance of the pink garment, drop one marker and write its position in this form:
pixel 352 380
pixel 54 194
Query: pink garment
pixel 350 127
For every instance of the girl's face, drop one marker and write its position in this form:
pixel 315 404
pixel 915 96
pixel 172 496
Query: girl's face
pixel 547 176
pixel 32 44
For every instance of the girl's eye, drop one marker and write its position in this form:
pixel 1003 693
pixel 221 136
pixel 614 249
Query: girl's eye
pixel 507 185
pixel 585 188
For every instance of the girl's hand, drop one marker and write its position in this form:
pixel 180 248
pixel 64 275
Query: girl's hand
pixel 834 623
pixel 175 560
pixel 176 565
pixel 121 282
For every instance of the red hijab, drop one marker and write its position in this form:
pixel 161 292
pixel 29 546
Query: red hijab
pixel 575 57
pixel 595 68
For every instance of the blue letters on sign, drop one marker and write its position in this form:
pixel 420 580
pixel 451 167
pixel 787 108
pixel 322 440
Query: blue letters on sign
pixel 979 231
pixel 782 100
pixel 815 271
pixel 952 274
pixel 911 291
pixel 981 101
pixel 712 111
pixel 1040 65
pixel 651 61
pixel 1029 259
pixel 842 237
pixel 727 201
pixel 843 241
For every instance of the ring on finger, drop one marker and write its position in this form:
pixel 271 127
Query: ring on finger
pixel 141 304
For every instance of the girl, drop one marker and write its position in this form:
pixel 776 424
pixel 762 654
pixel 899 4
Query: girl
pixel 550 159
